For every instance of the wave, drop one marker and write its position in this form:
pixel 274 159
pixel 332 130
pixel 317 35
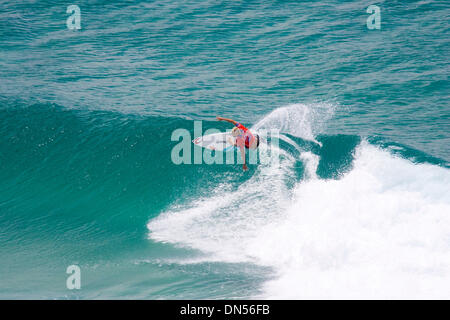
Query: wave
pixel 355 217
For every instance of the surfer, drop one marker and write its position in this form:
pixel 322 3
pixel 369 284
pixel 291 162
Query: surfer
pixel 243 138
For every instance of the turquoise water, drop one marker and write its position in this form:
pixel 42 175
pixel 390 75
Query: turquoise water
pixel 86 176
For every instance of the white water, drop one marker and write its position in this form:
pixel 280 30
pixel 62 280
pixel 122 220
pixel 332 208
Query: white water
pixel 381 231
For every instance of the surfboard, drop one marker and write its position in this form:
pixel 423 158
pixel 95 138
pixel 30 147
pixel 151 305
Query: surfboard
pixel 215 141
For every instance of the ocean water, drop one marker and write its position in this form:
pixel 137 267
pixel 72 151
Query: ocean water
pixel 357 205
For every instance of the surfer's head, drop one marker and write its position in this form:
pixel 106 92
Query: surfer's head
pixel 235 132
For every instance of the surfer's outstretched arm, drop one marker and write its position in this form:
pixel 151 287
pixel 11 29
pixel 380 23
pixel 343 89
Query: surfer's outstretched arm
pixel 225 119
